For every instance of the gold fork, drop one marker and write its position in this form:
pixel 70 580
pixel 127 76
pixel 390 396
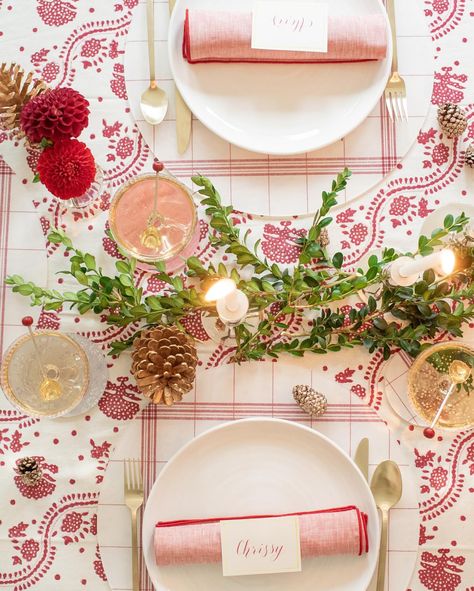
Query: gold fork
pixel 133 489
pixel 395 91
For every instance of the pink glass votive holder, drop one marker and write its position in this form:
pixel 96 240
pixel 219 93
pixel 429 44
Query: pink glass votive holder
pixel 129 213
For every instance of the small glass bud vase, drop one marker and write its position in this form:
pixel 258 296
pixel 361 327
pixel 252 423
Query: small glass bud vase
pixel 92 193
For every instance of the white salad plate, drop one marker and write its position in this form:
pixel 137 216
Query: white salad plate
pixel 260 466
pixel 279 108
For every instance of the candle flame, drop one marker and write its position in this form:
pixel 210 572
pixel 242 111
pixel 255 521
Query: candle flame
pixel 220 289
pixel 448 261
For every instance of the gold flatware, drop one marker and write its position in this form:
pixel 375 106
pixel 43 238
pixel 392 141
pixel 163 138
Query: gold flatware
pixel 153 102
pixel 183 113
pixel 395 91
pixel 133 491
pixel 386 486
pixel 361 457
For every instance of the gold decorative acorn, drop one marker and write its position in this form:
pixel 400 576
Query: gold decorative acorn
pixel 16 89
pixel 164 364
pixel 29 470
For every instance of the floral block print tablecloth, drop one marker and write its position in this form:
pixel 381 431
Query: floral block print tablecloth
pixel 48 534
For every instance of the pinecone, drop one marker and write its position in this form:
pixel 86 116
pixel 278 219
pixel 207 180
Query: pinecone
pixel 61 113
pixel 16 90
pixel 469 156
pixel 164 364
pixel 324 238
pixel 312 402
pixel 29 470
pixel 452 119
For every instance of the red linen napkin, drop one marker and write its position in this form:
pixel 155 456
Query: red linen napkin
pixel 214 36
pixel 342 530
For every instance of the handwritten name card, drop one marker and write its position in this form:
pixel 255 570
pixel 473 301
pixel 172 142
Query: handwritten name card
pixel 260 546
pixel 290 25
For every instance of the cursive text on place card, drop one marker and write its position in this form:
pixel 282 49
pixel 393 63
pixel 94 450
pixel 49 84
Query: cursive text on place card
pixel 260 546
pixel 290 25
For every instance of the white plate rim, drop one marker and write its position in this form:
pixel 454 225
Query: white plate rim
pixel 209 123
pixel 373 517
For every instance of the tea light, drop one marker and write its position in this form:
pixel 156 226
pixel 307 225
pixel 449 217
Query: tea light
pixel 231 303
pixel 406 271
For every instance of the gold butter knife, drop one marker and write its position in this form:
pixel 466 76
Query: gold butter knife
pixel 361 457
pixel 183 113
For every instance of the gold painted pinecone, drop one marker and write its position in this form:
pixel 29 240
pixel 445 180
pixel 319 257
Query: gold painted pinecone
pixel 469 156
pixel 164 364
pixel 312 402
pixel 29 470
pixel 452 119
pixel 16 89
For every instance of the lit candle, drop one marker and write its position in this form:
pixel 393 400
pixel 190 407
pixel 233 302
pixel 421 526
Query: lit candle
pixel 406 271
pixel 231 303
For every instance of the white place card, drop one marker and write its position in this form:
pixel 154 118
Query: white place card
pixel 260 546
pixel 290 25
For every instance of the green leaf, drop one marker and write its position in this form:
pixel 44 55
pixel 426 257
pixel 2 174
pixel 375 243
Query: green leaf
pixel 81 277
pixel 125 280
pixel 36 178
pixel 448 221
pixel 337 260
pixel 122 267
pixel 89 261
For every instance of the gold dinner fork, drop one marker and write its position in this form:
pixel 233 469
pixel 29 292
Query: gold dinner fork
pixel 395 91
pixel 133 489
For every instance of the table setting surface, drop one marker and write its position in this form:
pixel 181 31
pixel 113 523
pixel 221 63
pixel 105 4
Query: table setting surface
pixel 72 531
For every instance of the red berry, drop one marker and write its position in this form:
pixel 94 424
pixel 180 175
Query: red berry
pixel 429 433
pixel 27 321
pixel 157 165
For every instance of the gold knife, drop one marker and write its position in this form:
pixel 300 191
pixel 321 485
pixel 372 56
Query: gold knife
pixel 183 114
pixel 361 457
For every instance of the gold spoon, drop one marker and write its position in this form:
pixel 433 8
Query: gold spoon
pixel 153 102
pixel 386 486
pixel 49 388
pixel 458 373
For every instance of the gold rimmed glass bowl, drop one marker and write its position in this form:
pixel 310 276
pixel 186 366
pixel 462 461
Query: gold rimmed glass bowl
pixel 57 386
pixel 431 376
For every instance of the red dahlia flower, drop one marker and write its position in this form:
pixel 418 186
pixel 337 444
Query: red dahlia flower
pixel 67 168
pixel 56 114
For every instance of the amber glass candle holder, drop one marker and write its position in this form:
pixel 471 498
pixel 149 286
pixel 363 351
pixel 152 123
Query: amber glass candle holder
pixel 49 386
pixel 429 380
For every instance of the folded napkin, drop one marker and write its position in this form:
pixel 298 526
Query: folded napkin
pixel 212 36
pixel 342 530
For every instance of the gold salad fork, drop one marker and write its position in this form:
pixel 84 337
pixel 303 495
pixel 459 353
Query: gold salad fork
pixel 395 91
pixel 133 489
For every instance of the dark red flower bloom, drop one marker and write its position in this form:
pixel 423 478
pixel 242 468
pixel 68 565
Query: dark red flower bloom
pixel 56 114
pixel 67 168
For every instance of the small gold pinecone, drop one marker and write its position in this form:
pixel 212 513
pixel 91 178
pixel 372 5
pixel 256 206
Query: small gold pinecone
pixel 164 363
pixel 452 119
pixel 469 156
pixel 312 402
pixel 29 470
pixel 324 238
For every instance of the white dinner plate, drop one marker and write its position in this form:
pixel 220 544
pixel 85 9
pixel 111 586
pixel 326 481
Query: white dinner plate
pixel 278 108
pixel 260 466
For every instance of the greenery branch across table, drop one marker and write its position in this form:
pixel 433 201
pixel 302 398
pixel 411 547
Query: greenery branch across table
pixel 310 292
